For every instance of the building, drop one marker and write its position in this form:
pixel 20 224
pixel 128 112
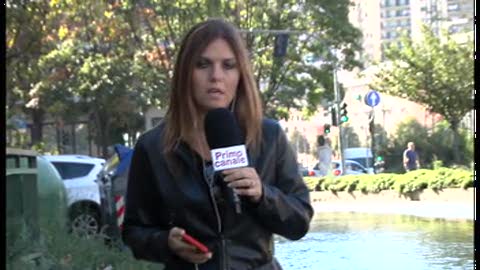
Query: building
pixel 390 112
pixel 153 116
pixel 382 22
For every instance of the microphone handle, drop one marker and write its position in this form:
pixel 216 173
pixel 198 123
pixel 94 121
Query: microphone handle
pixel 238 203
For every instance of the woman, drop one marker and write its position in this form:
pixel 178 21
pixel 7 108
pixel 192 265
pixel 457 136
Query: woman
pixel 168 193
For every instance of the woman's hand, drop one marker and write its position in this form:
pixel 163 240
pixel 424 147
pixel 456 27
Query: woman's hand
pixel 184 250
pixel 245 182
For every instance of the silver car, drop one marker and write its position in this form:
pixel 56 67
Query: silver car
pixel 351 167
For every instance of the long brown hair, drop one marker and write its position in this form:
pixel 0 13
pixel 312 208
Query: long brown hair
pixel 182 117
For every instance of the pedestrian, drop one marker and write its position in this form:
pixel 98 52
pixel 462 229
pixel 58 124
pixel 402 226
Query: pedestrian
pixel 410 158
pixel 167 192
pixel 324 155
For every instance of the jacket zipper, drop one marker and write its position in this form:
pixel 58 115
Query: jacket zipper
pixel 217 215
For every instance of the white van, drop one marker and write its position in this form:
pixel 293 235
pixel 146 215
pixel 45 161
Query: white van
pixel 362 155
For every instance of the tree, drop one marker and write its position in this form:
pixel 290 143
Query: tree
pixel 351 138
pixel 292 81
pixel 28 29
pixel 299 143
pixel 110 60
pixel 435 72
pixel 408 131
pixel 443 137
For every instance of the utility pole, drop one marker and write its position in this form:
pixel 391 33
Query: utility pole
pixel 372 135
pixel 336 91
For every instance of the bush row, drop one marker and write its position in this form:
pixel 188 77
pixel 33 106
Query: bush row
pixel 403 183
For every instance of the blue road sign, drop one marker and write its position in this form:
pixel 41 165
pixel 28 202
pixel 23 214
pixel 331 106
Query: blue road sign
pixel 372 98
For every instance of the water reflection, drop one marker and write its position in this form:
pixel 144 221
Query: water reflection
pixel 376 241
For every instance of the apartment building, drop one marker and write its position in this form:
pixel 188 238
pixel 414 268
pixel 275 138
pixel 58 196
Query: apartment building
pixel 382 22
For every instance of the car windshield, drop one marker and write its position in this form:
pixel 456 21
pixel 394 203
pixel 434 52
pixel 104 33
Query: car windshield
pixel 363 161
pixel 355 166
pixel 69 170
pixel 335 165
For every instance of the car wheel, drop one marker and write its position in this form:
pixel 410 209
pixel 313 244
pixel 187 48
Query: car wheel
pixel 85 222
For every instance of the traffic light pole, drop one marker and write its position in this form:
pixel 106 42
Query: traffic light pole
pixel 372 135
pixel 337 111
pixel 335 83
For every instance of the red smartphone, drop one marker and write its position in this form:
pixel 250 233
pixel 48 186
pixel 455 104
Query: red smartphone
pixel 187 238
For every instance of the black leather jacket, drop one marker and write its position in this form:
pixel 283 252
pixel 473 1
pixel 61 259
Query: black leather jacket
pixel 160 197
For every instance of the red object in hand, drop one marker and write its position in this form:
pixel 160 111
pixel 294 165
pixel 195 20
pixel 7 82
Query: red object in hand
pixel 187 238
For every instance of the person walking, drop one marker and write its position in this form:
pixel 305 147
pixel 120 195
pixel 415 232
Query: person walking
pixel 324 155
pixel 410 158
pixel 171 189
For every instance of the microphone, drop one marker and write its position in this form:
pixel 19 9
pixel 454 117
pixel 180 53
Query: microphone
pixel 226 142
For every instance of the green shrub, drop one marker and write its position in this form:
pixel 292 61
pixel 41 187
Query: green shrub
pixel 57 249
pixel 402 183
pixel 437 164
pixel 311 182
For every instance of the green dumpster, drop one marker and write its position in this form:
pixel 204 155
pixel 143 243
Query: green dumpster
pixel 36 207
pixel 52 198
pixel 22 195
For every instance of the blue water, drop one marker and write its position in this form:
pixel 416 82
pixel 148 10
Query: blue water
pixel 377 242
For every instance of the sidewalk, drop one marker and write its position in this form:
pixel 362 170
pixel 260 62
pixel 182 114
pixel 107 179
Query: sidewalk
pixel 447 210
pixel 448 203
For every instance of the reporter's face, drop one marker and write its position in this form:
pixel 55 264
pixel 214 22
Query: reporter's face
pixel 215 76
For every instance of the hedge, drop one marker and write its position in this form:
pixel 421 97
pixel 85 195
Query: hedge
pixel 418 180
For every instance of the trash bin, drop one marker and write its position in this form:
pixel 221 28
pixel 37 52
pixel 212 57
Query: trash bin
pixel 113 185
pixel 22 195
pixel 52 198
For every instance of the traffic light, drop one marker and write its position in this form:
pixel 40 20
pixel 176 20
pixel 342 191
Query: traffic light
pixel 343 113
pixel 379 164
pixel 333 114
pixel 326 128
pixel 65 137
pixel 280 48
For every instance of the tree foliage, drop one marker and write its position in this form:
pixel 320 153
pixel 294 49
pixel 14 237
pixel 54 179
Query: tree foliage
pixel 108 61
pixel 351 137
pixel 435 72
pixel 430 146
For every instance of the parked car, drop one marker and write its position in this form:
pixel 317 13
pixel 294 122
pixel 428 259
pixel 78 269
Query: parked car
pixel 79 175
pixel 315 170
pixel 351 167
pixel 361 155
pixel 305 171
